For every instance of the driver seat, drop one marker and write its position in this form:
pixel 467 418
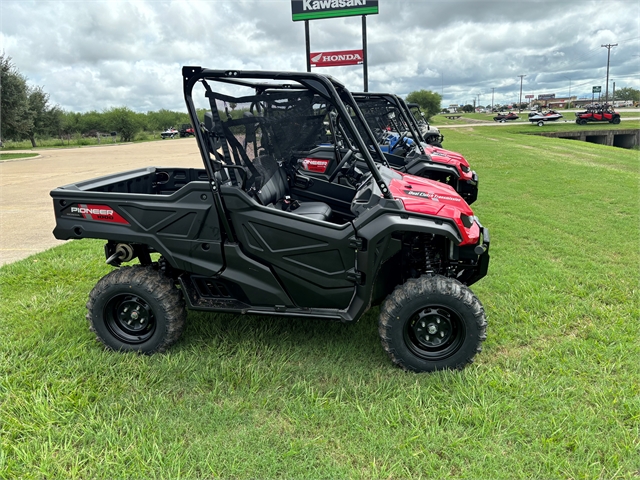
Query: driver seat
pixel 274 193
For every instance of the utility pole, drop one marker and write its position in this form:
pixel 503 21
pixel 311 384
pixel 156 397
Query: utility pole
pixel 569 90
pixel 520 101
pixel 613 95
pixel 493 90
pixel 608 46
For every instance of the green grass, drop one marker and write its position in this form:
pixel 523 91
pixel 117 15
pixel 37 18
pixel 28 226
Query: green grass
pixel 558 126
pixel 554 394
pixel 442 120
pixel 75 142
pixel 13 156
pixel 488 117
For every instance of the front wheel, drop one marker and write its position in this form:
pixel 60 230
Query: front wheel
pixel 432 323
pixel 541 123
pixel 136 309
pixel 616 120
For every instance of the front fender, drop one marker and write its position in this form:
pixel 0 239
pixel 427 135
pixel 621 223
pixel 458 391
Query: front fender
pixel 421 168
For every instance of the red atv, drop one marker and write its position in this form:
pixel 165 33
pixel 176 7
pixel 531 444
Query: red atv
pixel 597 113
pixel 186 130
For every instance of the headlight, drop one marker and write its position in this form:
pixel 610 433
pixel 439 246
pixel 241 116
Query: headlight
pixel 467 221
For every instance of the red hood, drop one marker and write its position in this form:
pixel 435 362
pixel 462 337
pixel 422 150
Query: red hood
pixel 441 155
pixel 420 195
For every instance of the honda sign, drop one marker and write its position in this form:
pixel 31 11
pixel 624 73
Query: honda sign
pixel 336 59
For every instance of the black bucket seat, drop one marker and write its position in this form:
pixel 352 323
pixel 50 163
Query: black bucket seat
pixel 274 192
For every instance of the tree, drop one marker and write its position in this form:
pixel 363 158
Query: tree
pixel 69 124
pixel 163 119
pixel 429 102
pixel 124 121
pixel 628 93
pixel 91 122
pixel 26 112
pixel 44 118
pixel 468 108
pixel 15 120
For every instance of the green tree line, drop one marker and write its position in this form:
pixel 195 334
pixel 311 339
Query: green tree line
pixel 27 113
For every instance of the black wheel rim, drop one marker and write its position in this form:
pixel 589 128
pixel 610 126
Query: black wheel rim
pixel 129 318
pixel 434 332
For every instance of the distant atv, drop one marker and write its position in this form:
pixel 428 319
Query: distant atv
pixel 186 130
pixel 430 133
pixel 598 113
pixel 251 234
pixel 396 131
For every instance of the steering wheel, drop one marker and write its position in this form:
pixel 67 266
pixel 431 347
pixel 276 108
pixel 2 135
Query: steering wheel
pixel 341 165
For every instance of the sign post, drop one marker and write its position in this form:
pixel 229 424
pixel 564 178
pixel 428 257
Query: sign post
pixel 594 90
pixel 319 9
pixel 365 65
pixel 308 44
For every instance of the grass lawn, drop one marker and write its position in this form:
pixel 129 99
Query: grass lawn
pixel 558 126
pixel 13 156
pixel 75 142
pixel 488 117
pixel 554 394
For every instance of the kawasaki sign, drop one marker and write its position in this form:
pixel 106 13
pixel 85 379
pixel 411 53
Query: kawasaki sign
pixel 315 9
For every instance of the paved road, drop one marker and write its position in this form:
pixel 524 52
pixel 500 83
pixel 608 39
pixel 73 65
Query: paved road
pixel 26 209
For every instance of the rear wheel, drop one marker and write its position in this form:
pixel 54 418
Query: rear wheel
pixel 136 309
pixel 432 323
pixel 541 123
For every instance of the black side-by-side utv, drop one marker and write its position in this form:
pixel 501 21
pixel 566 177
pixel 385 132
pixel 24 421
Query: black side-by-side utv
pixel 251 234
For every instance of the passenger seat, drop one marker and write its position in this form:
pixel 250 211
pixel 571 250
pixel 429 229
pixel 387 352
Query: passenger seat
pixel 275 193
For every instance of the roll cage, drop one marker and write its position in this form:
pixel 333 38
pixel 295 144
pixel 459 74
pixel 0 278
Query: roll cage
pixel 336 96
pixel 381 107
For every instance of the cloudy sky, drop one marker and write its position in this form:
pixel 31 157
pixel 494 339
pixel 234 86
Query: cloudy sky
pixel 94 54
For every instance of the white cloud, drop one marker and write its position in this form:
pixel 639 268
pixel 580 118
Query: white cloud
pixel 99 54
